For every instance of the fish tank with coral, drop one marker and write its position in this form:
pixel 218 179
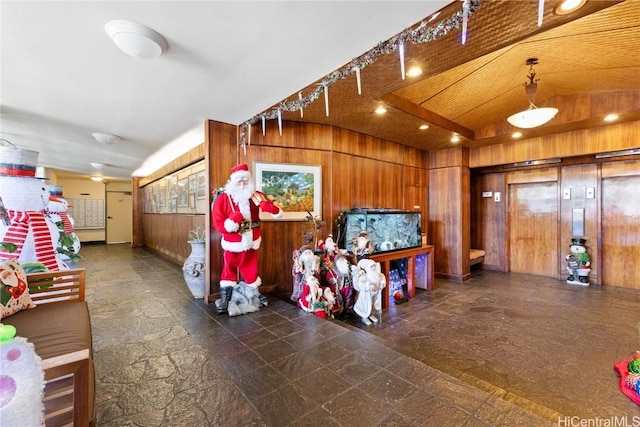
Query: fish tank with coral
pixel 387 229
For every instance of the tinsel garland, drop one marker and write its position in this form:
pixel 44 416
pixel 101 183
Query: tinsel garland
pixel 424 33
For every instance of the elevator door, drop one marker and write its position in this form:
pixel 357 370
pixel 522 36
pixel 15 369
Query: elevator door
pixel 621 232
pixel 533 228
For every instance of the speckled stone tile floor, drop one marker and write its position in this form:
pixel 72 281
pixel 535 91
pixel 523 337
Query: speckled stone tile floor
pixel 499 350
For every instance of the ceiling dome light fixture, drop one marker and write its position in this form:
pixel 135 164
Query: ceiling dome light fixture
pixel 96 178
pixel 611 117
pixel 136 40
pixel 423 127
pixel 381 110
pixel 534 116
pixel 106 138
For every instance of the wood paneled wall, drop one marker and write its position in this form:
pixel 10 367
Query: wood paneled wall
pixel 602 139
pixel 362 171
pixel 166 234
pixel 357 171
pixel 449 212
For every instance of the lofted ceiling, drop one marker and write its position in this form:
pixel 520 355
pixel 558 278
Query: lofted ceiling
pixel 62 78
pixel 470 90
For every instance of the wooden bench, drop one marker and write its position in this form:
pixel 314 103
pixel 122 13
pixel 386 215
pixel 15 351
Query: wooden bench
pixel 60 330
pixel 476 256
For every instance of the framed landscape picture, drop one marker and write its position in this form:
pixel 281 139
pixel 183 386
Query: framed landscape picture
pixel 296 189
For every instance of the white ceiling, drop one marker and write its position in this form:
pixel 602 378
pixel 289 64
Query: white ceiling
pixel 62 78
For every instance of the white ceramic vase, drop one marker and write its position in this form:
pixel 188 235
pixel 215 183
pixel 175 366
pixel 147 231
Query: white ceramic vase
pixel 194 268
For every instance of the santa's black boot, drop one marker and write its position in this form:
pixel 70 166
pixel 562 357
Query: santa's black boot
pixel 223 301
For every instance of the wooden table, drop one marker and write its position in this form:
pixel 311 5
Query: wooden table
pixel 385 259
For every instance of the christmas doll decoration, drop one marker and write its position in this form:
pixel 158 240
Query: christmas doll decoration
pixel 236 215
pixel 362 246
pixel 308 270
pixel 330 247
pixel 578 263
pixel 68 244
pixel 305 263
pixel 339 281
pixel 369 281
pixel 311 299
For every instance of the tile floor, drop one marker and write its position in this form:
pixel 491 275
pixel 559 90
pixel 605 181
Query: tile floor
pixel 499 350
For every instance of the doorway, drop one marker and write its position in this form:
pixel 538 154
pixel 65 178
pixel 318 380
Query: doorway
pixel 119 217
pixel 533 228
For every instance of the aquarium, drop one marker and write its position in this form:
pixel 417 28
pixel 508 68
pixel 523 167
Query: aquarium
pixel 388 229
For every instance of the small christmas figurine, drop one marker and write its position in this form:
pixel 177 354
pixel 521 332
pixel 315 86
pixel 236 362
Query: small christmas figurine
pixel 578 263
pixel 369 281
pixel 362 246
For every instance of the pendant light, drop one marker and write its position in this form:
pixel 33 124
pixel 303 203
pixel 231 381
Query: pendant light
pixel 533 116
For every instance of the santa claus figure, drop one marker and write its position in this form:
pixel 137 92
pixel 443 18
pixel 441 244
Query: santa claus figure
pixel 369 281
pixel 236 215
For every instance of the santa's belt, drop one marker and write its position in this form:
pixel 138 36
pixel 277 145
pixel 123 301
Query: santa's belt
pixel 246 224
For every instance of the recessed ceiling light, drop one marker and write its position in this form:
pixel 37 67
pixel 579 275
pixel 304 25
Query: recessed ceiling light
pixel 568 6
pixel 414 72
pixel 423 127
pixel 516 134
pixel 455 138
pixel 381 110
pixel 106 138
pixel 611 117
pixel 136 40
pixel 96 178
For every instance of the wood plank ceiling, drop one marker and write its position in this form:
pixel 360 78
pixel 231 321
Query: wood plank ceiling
pixel 471 89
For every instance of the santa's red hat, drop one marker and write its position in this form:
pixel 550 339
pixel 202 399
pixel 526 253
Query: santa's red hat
pixel 241 170
pixel 240 167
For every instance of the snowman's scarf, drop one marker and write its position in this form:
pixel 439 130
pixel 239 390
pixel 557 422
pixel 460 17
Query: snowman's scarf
pixel 66 222
pixel 17 234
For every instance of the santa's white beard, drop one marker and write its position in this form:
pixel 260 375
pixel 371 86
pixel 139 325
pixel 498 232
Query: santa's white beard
pixel 241 195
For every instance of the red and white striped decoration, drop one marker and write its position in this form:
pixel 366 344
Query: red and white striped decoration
pixel 21 222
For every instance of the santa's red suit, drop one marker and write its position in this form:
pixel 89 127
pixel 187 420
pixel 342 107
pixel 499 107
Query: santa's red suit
pixel 237 217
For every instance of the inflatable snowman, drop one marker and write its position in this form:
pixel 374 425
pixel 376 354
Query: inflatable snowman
pixel 23 199
pixel 68 244
pixel 21 381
